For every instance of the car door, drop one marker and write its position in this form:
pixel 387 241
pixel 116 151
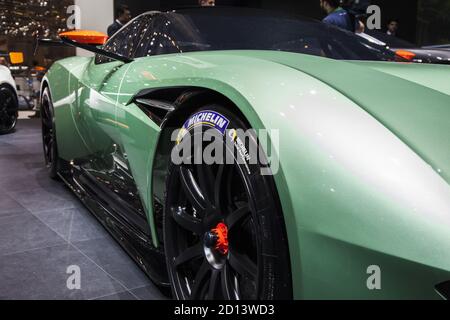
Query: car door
pixel 107 169
pixel 99 89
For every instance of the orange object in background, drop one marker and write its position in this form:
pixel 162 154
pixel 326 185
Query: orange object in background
pixel 408 55
pixel 85 37
pixel 16 57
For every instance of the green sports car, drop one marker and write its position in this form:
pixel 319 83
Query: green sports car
pixel 336 184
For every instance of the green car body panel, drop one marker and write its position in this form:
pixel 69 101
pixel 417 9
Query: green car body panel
pixel 364 154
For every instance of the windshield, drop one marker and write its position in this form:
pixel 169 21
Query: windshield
pixel 250 29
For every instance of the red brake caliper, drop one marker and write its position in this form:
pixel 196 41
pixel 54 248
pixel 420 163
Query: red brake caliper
pixel 221 231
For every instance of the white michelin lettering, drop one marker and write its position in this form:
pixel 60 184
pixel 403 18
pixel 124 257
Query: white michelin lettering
pixel 210 118
pixel 221 123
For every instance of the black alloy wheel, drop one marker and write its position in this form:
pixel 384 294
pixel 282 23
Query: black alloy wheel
pixel 49 135
pixel 224 234
pixel 8 110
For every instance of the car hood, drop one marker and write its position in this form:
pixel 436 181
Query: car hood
pixel 411 100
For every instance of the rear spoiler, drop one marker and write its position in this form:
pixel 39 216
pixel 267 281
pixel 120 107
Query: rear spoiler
pixel 65 41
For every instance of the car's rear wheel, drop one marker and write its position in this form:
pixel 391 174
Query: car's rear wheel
pixel 8 110
pixel 224 235
pixel 49 135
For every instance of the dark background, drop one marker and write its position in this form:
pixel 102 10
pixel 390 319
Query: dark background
pixel 404 10
pixel 424 22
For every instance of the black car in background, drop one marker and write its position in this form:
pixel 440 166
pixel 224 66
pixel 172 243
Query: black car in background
pixel 407 50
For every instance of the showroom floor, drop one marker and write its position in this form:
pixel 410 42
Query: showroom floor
pixel 44 230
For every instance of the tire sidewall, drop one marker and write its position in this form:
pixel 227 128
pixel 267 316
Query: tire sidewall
pixel 52 167
pixel 16 106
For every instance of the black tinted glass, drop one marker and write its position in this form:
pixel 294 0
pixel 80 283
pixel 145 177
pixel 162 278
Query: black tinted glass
pixel 247 29
pixel 391 41
pixel 125 41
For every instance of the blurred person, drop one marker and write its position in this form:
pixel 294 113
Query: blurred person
pixel 207 3
pixel 338 16
pixel 360 27
pixel 3 62
pixel 34 78
pixel 123 16
pixel 392 27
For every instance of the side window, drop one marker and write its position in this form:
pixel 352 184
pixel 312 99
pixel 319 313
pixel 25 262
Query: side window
pixel 124 42
pixel 158 39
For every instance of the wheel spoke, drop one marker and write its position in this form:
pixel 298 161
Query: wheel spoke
pixel 206 181
pixel 225 284
pixel 212 219
pixel 192 189
pixel 44 109
pixel 217 186
pixel 47 123
pixel 7 111
pixel 243 265
pixel 189 255
pixel 49 152
pixel 205 175
pixel 199 280
pixel 48 145
pixel 213 282
pixel 186 221
pixel 204 172
pixel 232 219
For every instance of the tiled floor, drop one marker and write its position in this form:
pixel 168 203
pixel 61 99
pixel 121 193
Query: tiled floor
pixel 44 230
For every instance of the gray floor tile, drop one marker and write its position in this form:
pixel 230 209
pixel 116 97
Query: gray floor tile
pixel 42 275
pixel 9 206
pixel 74 224
pixel 25 232
pixel 114 260
pixel 8 149
pixel 27 181
pixel 38 217
pixel 45 199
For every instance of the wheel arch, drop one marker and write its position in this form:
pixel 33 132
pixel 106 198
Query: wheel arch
pixel 187 100
pixel 183 100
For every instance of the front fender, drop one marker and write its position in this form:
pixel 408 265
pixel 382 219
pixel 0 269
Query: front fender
pixel 359 196
pixel 353 194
